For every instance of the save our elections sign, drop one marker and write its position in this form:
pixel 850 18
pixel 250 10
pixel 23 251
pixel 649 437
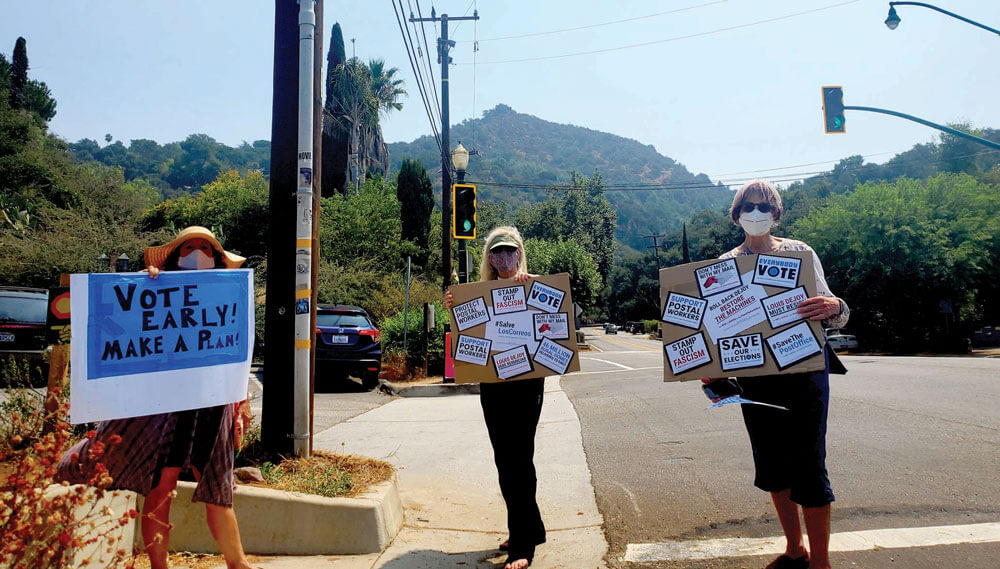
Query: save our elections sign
pixel 737 317
pixel 508 331
pixel 142 346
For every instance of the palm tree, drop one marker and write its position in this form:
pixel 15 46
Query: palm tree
pixel 385 87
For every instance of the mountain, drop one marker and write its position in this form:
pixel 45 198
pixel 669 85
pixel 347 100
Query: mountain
pixel 524 154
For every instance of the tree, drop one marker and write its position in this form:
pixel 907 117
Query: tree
pixel 19 75
pixel 684 244
pixel 546 257
pixel 385 87
pixel 416 198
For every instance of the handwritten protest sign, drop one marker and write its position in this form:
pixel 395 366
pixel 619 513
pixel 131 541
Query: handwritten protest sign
pixel 143 345
pixel 507 328
pixel 744 313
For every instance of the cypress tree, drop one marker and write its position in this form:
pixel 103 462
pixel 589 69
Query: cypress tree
pixel 335 152
pixel 19 75
pixel 684 244
pixel 334 57
pixel 416 199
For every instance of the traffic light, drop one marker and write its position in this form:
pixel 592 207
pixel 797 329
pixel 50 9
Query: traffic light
pixel 833 109
pixel 463 225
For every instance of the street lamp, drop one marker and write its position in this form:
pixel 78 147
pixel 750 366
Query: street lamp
pixel 893 20
pixel 460 160
pixel 121 265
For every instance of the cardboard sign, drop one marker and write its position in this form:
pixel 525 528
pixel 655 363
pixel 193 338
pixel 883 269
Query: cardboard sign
pixel 734 326
pixel 540 331
pixel 143 345
pixel 469 314
pixel 508 299
pixel 777 271
pixel 473 350
pixel 552 326
pixel 684 310
pixel 781 308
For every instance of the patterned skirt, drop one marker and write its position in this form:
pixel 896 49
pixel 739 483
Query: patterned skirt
pixel 199 440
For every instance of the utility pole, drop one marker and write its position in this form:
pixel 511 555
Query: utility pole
pixel 656 248
pixel 444 45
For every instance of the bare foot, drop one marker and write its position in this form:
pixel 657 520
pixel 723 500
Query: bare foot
pixel 517 564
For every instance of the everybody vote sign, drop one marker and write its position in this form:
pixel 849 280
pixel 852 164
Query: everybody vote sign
pixel 503 330
pixel 142 346
pixel 737 317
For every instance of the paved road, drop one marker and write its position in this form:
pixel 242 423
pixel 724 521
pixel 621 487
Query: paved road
pixel 914 442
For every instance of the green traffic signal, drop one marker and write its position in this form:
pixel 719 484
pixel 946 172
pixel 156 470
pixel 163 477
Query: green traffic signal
pixel 464 211
pixel 833 110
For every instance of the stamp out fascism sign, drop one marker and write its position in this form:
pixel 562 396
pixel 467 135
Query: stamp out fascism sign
pixel 737 317
pixel 143 345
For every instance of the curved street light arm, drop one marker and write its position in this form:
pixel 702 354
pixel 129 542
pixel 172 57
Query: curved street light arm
pixel 943 11
pixel 943 128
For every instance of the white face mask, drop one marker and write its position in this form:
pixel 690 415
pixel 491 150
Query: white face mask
pixel 756 223
pixel 196 260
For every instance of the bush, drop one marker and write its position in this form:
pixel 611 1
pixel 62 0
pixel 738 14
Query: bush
pixel 392 337
pixel 650 326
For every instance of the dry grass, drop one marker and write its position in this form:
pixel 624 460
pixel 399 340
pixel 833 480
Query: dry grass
pixel 326 474
pixel 191 560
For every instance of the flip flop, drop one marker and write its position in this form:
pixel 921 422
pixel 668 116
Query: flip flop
pixel 786 562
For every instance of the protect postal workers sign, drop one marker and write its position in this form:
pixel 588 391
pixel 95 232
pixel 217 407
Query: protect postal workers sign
pixel 737 317
pixel 510 331
pixel 142 346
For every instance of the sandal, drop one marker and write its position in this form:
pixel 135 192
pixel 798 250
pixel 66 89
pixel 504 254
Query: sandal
pixel 515 555
pixel 786 562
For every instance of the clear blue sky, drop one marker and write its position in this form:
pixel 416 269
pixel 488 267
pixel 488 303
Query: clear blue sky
pixel 733 101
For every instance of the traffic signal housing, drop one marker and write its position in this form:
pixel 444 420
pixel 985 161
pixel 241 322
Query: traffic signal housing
pixel 833 109
pixel 463 220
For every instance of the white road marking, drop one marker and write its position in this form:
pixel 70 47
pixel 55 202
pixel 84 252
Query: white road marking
pixel 612 363
pixel 576 373
pixel 895 538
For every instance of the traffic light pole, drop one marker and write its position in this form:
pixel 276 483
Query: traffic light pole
pixel 463 257
pixel 943 128
pixel 444 45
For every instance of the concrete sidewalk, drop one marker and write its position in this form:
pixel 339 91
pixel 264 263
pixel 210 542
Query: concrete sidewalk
pixel 455 516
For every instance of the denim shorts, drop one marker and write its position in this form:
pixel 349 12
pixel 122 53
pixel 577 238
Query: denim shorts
pixel 789 447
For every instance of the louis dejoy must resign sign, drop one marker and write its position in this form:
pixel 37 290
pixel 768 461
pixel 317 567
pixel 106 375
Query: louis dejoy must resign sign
pixel 503 330
pixel 737 317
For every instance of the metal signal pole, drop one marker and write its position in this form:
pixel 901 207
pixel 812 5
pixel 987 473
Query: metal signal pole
pixel 655 248
pixel 444 45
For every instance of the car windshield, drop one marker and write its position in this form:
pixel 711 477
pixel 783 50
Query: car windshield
pixel 23 308
pixel 342 320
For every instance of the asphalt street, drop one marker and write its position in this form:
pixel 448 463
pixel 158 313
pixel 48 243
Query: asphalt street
pixel 913 442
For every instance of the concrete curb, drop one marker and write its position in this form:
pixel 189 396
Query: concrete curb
pixel 430 389
pixel 291 523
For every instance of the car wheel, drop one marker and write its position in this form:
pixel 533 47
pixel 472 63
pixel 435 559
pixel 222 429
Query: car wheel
pixel 369 380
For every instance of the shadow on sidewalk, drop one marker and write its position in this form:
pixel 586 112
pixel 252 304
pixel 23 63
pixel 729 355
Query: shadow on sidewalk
pixel 428 558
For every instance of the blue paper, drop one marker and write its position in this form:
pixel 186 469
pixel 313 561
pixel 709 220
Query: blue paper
pixel 742 400
pixel 180 320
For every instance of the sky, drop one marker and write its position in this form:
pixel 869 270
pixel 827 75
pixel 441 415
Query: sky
pixel 729 88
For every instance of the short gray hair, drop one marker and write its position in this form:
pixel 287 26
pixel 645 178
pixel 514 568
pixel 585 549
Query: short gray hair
pixel 765 189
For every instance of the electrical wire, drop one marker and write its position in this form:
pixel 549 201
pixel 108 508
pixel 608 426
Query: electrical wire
pixel 427 52
pixel 590 26
pixel 666 40
pixel 414 65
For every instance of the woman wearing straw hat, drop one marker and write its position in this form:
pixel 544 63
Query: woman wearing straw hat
pixel 155 449
pixel 511 411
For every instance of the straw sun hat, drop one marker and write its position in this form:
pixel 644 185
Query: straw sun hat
pixel 157 256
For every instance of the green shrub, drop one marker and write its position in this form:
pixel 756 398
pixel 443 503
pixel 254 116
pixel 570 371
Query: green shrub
pixel 392 337
pixel 650 326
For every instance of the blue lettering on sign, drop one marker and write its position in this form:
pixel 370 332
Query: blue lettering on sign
pixel 183 319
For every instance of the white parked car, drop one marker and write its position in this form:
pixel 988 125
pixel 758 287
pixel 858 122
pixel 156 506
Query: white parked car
pixel 840 339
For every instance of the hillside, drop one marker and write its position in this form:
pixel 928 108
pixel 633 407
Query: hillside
pixel 520 149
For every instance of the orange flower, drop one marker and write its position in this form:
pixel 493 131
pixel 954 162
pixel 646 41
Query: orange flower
pixel 115 439
pixel 91 434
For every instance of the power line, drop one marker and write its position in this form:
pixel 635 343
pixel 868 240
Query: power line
pixel 427 53
pixel 589 26
pixel 676 38
pixel 416 72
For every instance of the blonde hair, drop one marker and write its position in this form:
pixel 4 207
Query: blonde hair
pixel 486 270
pixel 765 189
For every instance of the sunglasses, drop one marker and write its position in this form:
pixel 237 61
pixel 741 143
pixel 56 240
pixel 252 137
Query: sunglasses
pixel 503 249
pixel 763 207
